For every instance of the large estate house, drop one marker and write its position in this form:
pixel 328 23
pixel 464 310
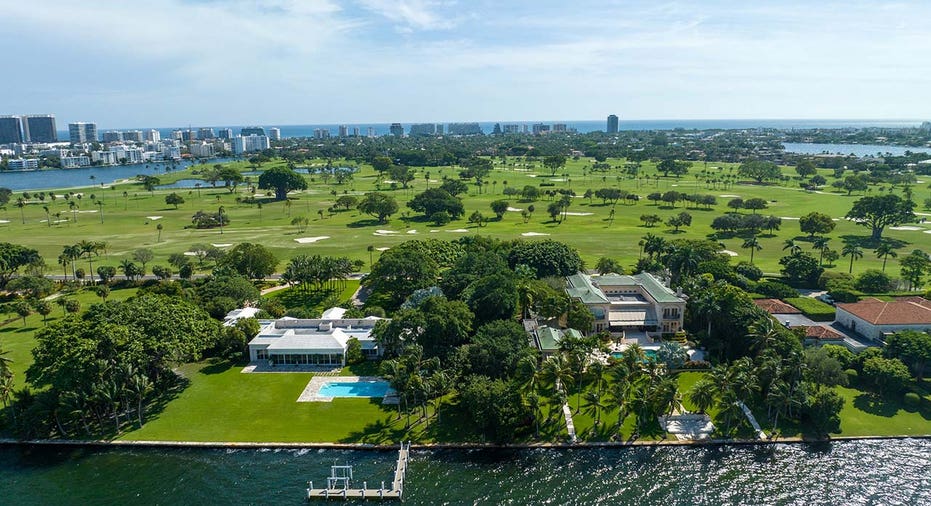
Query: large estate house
pixel 321 341
pixel 874 318
pixel 634 304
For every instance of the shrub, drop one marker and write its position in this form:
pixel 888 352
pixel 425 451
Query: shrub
pixel 911 401
pixel 814 309
pixel 842 278
pixel 696 364
pixel 776 290
pixel 749 271
pixel 844 295
pixel 873 281
pixel 852 376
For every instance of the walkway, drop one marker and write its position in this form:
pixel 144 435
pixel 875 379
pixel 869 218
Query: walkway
pixel 567 414
pixel 759 432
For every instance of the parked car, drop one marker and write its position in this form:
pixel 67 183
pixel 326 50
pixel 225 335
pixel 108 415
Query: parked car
pixel 827 299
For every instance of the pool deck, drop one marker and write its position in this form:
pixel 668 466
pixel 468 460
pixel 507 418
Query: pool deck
pixel 311 392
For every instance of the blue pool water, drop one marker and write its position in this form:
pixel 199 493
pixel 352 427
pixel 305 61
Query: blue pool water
pixel 650 354
pixel 358 389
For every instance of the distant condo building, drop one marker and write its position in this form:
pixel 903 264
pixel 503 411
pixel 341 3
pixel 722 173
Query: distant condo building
pixel 356 132
pixel 23 164
pixel 73 162
pixel 112 136
pixel 153 136
pixel 464 129
pixel 396 130
pixel 274 134
pixel 202 150
pixel 321 133
pixel 39 128
pixel 511 129
pixel 188 135
pixel 11 130
pixel 254 130
pixel 250 143
pixel 926 126
pixel 225 133
pixel 82 133
pixel 133 136
pixel 370 132
pixel 205 133
pixel 540 129
pixel 343 131
pixel 177 134
pixel 422 130
pixel 612 124
pixel 559 128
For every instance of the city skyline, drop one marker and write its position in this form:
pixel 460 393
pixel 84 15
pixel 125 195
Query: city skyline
pixel 373 61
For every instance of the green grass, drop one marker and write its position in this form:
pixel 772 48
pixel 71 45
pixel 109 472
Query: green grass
pixel 315 302
pixel 126 226
pixel 813 308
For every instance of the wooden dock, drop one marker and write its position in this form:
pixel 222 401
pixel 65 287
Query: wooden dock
pixel 339 482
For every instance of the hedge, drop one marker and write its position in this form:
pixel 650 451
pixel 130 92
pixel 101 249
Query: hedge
pixel 812 308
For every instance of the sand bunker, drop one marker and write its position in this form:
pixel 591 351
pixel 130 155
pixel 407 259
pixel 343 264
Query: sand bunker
pixel 307 240
pixel 382 249
pixel 459 230
pixel 533 234
pixel 514 209
pixel 88 211
pixel 224 245
pixel 153 218
pixel 412 231
pixel 729 252
pixel 4 221
pixel 579 214
pixel 383 233
pixel 729 196
pixel 788 218
pixel 906 228
pixel 557 180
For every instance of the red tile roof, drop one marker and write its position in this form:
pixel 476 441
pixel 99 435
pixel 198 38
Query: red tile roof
pixel 904 311
pixel 821 332
pixel 775 306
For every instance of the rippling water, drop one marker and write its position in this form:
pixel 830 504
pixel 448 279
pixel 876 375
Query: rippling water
pixel 858 472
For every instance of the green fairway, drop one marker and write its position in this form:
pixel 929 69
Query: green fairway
pixel 131 221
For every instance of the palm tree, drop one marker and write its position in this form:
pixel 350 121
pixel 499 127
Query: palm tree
pixel 821 244
pixel 792 246
pixel 159 227
pixel 220 213
pixel 21 204
pixel 753 244
pixel 702 394
pixel 762 333
pixel 884 251
pixel 854 252
pixel 48 216
pixel 74 210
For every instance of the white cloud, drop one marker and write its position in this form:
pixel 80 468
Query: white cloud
pixel 412 15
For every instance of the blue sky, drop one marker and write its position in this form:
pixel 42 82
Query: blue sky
pixel 174 62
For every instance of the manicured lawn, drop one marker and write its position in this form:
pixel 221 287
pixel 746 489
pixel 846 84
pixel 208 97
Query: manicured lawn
pixel 316 301
pixel 864 416
pixel 812 308
pixel 223 404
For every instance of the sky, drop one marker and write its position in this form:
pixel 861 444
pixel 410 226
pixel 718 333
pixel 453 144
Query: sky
pixel 131 63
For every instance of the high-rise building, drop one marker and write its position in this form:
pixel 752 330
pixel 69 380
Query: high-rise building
pixel 205 133
pixel 370 132
pixel 540 129
pixel 511 129
pixel 612 124
pixel 112 136
pixel 559 128
pixel 321 133
pixel 254 130
pixel 202 149
pixel 225 133
pixel 274 134
pixel 356 132
pixel 39 128
pixel 82 133
pixel 396 130
pixel 422 130
pixel 188 135
pixel 249 143
pixel 153 136
pixel 440 129
pixel 464 129
pixel 11 130
pixel 343 131
pixel 177 134
pixel 132 135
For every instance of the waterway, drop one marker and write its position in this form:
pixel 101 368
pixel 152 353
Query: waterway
pixel 50 179
pixel 853 472
pixel 859 150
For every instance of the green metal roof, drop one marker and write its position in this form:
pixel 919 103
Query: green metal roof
pixel 581 286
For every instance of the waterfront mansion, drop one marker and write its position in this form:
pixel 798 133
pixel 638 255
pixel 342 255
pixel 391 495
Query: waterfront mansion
pixel 634 304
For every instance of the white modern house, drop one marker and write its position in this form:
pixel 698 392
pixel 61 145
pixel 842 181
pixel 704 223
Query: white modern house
pixel 633 304
pixel 874 318
pixel 316 342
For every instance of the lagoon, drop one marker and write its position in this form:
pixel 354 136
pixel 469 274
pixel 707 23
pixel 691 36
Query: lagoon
pixel 859 150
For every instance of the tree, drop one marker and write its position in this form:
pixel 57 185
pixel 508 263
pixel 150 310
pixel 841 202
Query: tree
pixel 379 205
pixel 876 213
pixel 914 267
pixel 143 256
pixel 301 223
pixel 554 162
pixel 173 199
pixel 801 269
pixel 381 164
pixel 435 200
pixel 677 168
pixel 106 273
pixel 159 227
pixel 855 183
pixel 759 170
pixel 254 261
pixel 650 220
pixel 822 369
pixel 282 180
pixel 816 223
pixel 454 186
pixel 401 174
pixel 823 408
pixel 607 265
pixel 346 202
pixel 885 375
pixel 491 298
pixel 682 219
pixel 854 252
pixel 912 348
pixel 873 281
pixel 32 286
pixel 23 309
pixel 755 204
pixel 805 168
pixel 13 257
pixel 884 251
pixel 102 291
pixel 398 272
pixel 499 207
pixel 545 258
pixel 477 218
pixel 753 244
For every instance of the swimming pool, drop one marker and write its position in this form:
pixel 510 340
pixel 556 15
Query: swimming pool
pixel 648 354
pixel 354 389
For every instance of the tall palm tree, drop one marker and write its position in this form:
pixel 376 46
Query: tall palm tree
pixel 884 251
pixel 753 244
pixel 21 204
pixel 762 333
pixel 854 252
pixel 820 243
pixel 702 394
pixel 792 246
